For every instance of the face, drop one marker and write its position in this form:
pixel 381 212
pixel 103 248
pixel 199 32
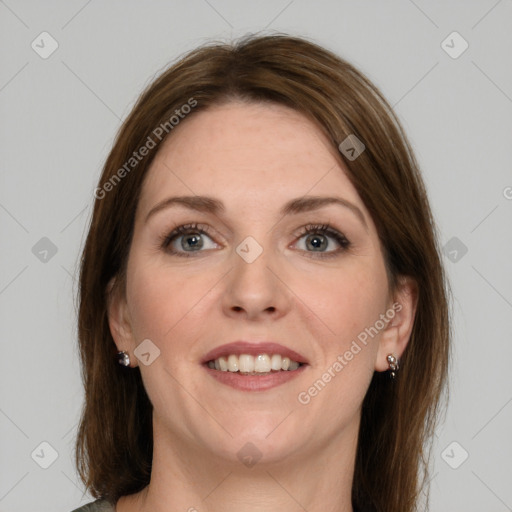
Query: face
pixel 268 265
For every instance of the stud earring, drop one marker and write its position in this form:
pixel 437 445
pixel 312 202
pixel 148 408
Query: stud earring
pixel 123 358
pixel 393 365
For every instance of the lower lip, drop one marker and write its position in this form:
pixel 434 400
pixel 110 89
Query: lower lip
pixel 254 382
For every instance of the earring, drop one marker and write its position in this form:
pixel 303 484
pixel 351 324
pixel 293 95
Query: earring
pixel 393 365
pixel 123 358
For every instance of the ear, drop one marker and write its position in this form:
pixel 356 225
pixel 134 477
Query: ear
pixel 119 319
pixel 396 334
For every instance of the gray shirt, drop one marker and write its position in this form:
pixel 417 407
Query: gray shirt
pixel 104 506
pixel 99 505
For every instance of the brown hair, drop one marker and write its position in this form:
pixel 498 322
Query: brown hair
pixel 114 443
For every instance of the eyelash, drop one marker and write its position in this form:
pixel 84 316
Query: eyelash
pixel 317 229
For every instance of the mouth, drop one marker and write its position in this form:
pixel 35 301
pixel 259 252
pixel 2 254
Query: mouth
pixel 254 366
pixel 262 364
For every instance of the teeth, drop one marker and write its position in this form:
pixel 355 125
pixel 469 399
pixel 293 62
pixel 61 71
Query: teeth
pixel 245 363
pixel 223 363
pixel 262 363
pixel 233 363
pixel 253 365
pixel 276 361
pixel 293 366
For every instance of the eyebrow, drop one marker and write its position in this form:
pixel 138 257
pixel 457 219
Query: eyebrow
pixel 211 205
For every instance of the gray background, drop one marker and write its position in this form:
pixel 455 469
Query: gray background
pixel 59 116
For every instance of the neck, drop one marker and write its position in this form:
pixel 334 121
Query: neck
pixel 184 478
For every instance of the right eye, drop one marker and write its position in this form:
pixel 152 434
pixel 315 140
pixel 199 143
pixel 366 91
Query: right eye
pixel 188 238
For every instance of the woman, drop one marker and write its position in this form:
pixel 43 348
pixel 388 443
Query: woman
pixel 263 261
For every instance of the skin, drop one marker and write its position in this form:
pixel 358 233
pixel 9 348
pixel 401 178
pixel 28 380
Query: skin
pixel 254 158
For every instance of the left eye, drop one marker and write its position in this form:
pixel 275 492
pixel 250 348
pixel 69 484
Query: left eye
pixel 322 239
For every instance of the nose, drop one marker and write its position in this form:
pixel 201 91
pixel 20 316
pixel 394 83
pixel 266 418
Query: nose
pixel 256 289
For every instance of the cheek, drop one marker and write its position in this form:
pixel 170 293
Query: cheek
pixel 163 301
pixel 347 299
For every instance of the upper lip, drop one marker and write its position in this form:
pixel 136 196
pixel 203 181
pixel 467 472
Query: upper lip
pixel 254 349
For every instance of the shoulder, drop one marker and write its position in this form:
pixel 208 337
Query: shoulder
pixel 100 505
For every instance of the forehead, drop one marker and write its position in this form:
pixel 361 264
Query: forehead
pixel 248 155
